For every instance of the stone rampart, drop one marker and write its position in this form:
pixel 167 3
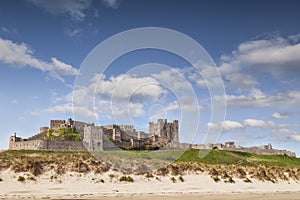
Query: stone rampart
pixel 51 145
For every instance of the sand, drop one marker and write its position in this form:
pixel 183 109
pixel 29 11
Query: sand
pixel 89 186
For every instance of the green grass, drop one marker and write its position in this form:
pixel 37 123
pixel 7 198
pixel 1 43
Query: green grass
pixel 214 157
pixel 237 158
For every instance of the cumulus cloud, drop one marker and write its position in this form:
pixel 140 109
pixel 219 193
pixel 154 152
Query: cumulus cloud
pixel 4 29
pixel 112 3
pixel 72 32
pixel 277 130
pixel 127 86
pixel 74 8
pixel 68 109
pixel 295 137
pixel 227 126
pixel 128 96
pixel 20 55
pixel 277 57
pixel 256 98
pixel 259 123
pixel 280 116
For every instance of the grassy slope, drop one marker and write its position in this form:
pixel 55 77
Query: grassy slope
pixel 238 158
pixel 191 155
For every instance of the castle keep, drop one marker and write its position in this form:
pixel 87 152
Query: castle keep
pixel 162 131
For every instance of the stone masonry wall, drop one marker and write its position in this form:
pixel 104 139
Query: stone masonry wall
pixel 51 145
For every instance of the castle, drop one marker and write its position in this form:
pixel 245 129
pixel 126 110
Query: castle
pixel 69 135
pixel 263 149
pixel 81 136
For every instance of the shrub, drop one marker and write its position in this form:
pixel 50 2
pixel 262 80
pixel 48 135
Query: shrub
pixel 181 178
pixel 215 178
pixel 149 175
pixel 102 181
pixel 173 179
pixel 229 180
pixel 126 179
pixel 241 173
pixel 162 171
pixel 111 176
pixel 1 179
pixel 247 180
pixel 21 179
pixel 53 177
pixel 31 178
pixel 213 172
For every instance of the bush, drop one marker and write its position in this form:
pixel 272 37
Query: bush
pixel 229 180
pixel 101 181
pixel 31 178
pixel 149 175
pixel 126 179
pixel 173 179
pixel 1 179
pixel 215 178
pixel 162 171
pixel 21 179
pixel 181 179
pixel 247 180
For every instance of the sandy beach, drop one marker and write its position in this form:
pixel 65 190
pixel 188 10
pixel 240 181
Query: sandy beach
pixel 74 185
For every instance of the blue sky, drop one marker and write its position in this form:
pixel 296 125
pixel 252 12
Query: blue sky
pixel 254 45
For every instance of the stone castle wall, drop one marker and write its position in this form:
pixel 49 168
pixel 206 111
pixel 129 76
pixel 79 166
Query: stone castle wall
pixel 267 151
pixel 51 145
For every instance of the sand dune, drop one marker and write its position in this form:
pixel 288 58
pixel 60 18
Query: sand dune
pixel 97 186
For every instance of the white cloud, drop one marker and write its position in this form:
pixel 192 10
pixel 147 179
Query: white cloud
pixel 73 32
pixel 5 30
pixel 62 68
pixel 279 131
pixel 295 137
pixel 112 3
pixel 241 81
pixel 227 126
pixel 256 98
pixel 68 110
pixel 125 95
pixel 294 38
pixel 127 86
pixel 21 55
pixel 286 134
pixel 127 110
pixel 277 57
pixel 279 116
pixel 74 8
pixel 254 123
pixel 173 106
pixel 259 123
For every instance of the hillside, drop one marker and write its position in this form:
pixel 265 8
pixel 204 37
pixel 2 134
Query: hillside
pixel 218 164
pixel 238 158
